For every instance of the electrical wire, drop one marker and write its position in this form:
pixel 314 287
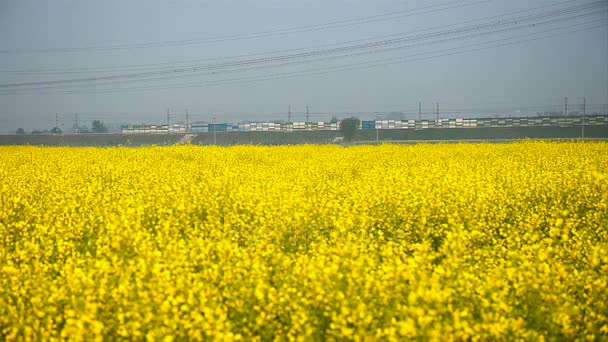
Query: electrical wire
pixel 260 34
pixel 172 65
pixel 325 58
pixel 316 60
pixel 372 45
pixel 323 71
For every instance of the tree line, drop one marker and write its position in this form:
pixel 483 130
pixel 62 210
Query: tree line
pixel 96 127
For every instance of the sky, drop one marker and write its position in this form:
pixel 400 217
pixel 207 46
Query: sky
pixel 511 66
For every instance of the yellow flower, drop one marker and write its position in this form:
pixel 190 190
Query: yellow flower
pixel 391 242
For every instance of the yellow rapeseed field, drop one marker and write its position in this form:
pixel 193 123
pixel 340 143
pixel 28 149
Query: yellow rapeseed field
pixel 425 242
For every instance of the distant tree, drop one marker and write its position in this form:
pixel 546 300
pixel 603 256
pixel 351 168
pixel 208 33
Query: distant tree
pixel 98 127
pixel 348 127
pixel 20 131
pixel 334 119
pixel 80 129
pixel 56 130
pixel 39 132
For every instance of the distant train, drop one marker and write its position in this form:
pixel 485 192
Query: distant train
pixel 564 121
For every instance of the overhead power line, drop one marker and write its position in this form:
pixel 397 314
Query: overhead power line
pixel 413 111
pixel 355 66
pixel 550 17
pixel 244 69
pixel 260 34
pixel 323 71
pixel 178 64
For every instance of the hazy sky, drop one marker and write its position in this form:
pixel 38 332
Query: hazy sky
pixel 532 75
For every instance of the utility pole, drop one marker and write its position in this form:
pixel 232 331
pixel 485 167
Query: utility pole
pixel 584 104
pixel 307 119
pixel 57 120
pixel 77 127
pixel 566 106
pixel 437 112
pixel 187 129
pixel 289 114
pixel 419 110
pixel 377 127
pixel 168 125
pixel 583 119
pixel 214 129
